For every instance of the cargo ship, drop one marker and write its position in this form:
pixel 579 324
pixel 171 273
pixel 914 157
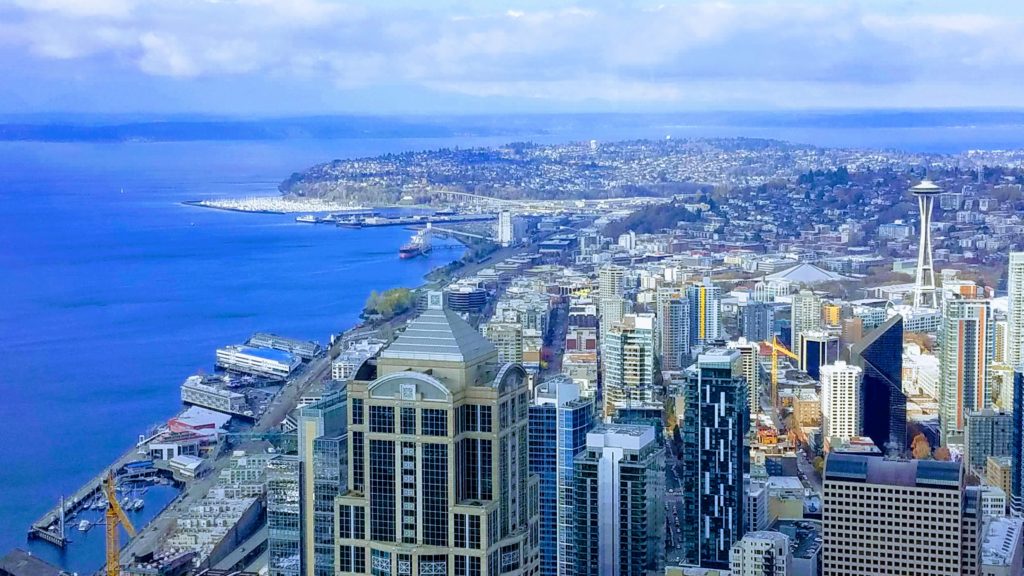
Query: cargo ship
pixel 419 245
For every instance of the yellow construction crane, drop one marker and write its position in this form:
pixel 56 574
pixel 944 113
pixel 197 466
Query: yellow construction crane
pixel 115 516
pixel 776 348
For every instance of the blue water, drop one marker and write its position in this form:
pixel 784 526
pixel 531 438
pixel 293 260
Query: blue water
pixel 109 299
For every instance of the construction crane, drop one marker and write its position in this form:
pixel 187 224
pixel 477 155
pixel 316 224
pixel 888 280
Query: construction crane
pixel 776 348
pixel 115 516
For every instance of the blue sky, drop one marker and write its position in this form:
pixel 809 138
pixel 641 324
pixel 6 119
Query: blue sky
pixel 263 57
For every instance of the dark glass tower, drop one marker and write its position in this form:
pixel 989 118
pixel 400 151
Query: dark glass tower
pixel 1017 451
pixel 714 459
pixel 880 355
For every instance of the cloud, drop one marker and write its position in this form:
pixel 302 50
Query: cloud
pixel 683 53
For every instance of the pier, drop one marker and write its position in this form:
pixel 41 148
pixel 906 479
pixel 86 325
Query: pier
pixel 46 528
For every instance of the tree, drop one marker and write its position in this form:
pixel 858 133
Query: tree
pixel 920 448
pixel 819 464
pixel 942 454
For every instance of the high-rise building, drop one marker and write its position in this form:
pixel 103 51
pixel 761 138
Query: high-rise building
pixel 559 422
pixel 841 408
pixel 805 315
pixel 284 531
pixel 506 233
pixel 965 356
pixel 714 460
pixel 749 360
pixel 1017 449
pixel 619 502
pixel 816 348
pixel 761 553
pixel 1015 316
pixel 987 433
pixel 673 327
pixel 705 311
pixel 925 293
pixel 757 321
pixel 929 526
pixel 439 478
pixel 880 355
pixel 831 314
pixel 611 284
pixel 628 356
pixel 507 337
pixel 323 456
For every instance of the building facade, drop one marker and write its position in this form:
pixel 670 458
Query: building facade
pixel 323 456
pixel 965 355
pixel 674 328
pixel 705 311
pixel 628 357
pixel 757 321
pixel 1017 449
pixel 284 531
pixel 714 459
pixel 1015 316
pixel 805 315
pixel 880 356
pixel 619 502
pixel 841 409
pixel 439 478
pixel 559 422
pixel 761 553
pixel 929 527
pixel 987 433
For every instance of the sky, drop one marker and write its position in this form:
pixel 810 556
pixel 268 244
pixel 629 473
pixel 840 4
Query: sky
pixel 283 57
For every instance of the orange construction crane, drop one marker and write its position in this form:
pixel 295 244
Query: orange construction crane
pixel 776 347
pixel 115 516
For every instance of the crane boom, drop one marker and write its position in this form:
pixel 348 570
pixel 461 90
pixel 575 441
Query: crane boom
pixel 114 516
pixel 776 348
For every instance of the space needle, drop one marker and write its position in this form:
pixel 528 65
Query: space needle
pixel 925 294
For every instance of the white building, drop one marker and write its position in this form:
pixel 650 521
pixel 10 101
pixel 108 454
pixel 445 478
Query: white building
pixel 755 514
pixel 506 232
pixel 195 392
pixel 1015 318
pixel 761 554
pixel 806 314
pixel 842 410
pixel 263 362
pixel 1002 550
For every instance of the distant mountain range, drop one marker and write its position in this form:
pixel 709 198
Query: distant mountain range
pixel 127 128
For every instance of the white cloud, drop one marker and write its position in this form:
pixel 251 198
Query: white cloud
pixel 686 52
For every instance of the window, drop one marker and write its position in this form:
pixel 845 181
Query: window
pixel 435 422
pixel 357 411
pixel 382 419
pixel 409 421
pixel 435 494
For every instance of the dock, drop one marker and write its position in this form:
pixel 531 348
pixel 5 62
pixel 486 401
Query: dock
pixel 45 528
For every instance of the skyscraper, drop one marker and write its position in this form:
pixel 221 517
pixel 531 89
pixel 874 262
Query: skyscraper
pixel 506 232
pixel 559 423
pixel 925 294
pixel 880 355
pixel 841 407
pixel 439 476
pixel 965 355
pixel 930 525
pixel 619 502
pixel 674 327
pixel 628 355
pixel 705 311
pixel 987 433
pixel 757 321
pixel 1015 317
pixel 323 456
pixel 611 282
pixel 816 347
pixel 1017 449
pixel 805 315
pixel 284 531
pixel 714 459
pixel 749 360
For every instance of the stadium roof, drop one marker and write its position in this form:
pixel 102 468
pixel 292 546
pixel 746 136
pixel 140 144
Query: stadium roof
pixel 805 274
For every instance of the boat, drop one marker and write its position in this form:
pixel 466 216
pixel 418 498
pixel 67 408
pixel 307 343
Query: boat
pixel 137 504
pixel 306 219
pixel 419 245
pixel 84 526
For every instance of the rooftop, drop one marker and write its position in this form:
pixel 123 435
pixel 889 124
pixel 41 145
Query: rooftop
pixel 1002 541
pixel 18 562
pixel 804 537
pixel 264 353
pixel 805 274
pixel 439 334
pixel 909 473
